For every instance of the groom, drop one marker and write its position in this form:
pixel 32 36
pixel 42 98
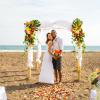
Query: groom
pixel 57 45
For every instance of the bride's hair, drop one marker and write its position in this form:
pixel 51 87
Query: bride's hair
pixel 47 38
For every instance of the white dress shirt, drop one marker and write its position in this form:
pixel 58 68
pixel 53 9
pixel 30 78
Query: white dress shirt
pixel 57 44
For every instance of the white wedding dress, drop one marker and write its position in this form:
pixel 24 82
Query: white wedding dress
pixel 47 71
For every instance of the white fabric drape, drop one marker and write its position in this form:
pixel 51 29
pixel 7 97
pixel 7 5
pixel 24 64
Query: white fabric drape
pixel 93 95
pixel 30 57
pixel 39 51
pixel 38 54
pixel 3 95
pixel 79 55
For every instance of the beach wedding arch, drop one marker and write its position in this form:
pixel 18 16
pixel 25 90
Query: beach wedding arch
pixel 31 28
pixel 78 36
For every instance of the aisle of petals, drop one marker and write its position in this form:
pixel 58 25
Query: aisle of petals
pixel 54 92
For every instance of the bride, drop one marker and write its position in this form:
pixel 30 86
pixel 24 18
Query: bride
pixel 47 71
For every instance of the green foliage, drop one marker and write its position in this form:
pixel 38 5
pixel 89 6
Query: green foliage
pixel 77 33
pixel 77 23
pixel 30 29
pixel 35 23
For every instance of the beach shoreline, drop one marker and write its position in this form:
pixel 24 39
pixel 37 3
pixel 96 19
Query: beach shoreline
pixel 64 51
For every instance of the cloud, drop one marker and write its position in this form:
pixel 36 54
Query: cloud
pixel 15 12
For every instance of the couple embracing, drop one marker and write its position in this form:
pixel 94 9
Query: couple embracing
pixel 51 64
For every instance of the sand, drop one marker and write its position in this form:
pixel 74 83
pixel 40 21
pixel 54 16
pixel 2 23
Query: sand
pixel 13 75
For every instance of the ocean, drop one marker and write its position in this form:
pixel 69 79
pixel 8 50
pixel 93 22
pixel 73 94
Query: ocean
pixel 21 48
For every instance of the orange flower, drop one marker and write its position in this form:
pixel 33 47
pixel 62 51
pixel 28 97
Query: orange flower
pixel 97 70
pixel 57 51
pixel 28 30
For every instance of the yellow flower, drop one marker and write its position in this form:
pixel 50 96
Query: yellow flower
pixel 92 76
pixel 27 28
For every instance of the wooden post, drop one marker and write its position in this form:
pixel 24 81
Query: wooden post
pixel 38 62
pixel 30 76
pixel 79 61
pixel 37 65
pixel 79 71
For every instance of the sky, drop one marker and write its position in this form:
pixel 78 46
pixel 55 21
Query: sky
pixel 15 12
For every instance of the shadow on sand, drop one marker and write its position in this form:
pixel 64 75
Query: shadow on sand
pixel 25 86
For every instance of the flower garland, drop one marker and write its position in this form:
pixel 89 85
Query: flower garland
pixel 94 78
pixel 77 33
pixel 30 28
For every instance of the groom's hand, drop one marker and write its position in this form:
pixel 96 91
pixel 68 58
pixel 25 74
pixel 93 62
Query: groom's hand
pixel 61 51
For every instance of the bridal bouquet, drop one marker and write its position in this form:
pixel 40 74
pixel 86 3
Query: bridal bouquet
pixel 77 33
pixel 56 54
pixel 30 28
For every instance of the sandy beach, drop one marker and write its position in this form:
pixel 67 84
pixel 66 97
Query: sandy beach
pixel 13 75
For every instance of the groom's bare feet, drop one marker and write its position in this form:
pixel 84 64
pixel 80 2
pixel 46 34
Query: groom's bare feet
pixel 56 81
pixel 60 81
